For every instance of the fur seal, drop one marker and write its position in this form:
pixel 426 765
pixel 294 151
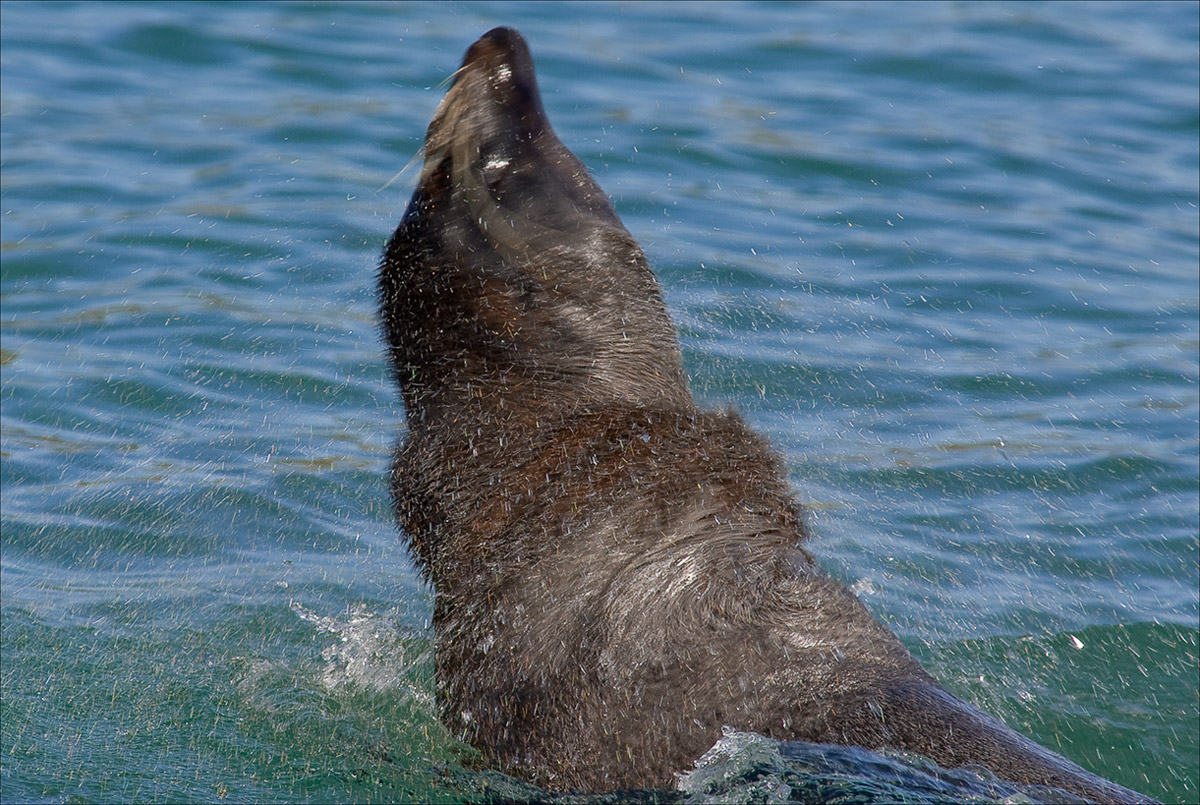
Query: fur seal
pixel 617 573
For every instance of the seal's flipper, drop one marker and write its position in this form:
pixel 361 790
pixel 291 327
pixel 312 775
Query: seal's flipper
pixel 921 717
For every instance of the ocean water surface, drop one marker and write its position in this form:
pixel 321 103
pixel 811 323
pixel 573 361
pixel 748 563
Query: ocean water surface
pixel 945 257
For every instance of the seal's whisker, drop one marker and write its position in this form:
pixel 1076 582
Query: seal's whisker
pixel 450 78
pixel 416 158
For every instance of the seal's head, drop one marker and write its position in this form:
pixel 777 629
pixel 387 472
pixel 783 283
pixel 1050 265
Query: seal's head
pixel 492 131
pixel 511 267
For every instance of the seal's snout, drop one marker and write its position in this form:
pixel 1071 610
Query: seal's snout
pixel 491 149
pixel 502 51
pixel 502 59
pixel 494 105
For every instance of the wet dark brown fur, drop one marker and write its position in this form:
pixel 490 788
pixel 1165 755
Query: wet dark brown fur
pixel 617 573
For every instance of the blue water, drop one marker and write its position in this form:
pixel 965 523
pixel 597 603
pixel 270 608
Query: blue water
pixel 944 256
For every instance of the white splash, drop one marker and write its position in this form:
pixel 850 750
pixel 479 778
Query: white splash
pixel 372 650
